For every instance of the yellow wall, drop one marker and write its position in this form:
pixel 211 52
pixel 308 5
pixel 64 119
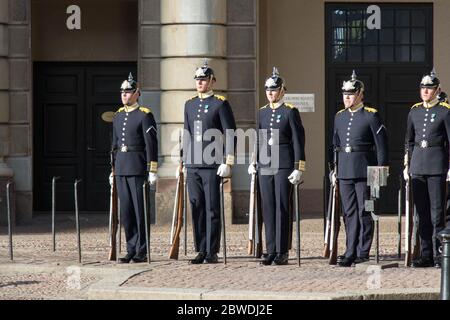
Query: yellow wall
pixel 108 31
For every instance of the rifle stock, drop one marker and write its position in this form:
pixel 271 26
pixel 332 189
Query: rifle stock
pixel 326 249
pixel 179 203
pixel 114 221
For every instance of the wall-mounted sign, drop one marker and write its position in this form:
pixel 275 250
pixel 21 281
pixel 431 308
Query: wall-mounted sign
pixel 304 102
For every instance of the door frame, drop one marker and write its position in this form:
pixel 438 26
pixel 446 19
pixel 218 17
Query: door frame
pixel 330 66
pixel 38 66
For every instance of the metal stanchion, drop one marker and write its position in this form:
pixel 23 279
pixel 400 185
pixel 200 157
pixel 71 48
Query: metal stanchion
pixel 444 236
pixel 297 220
pixel 77 219
pixel 8 208
pixel 119 228
pixel 185 215
pixel 222 217
pixel 145 188
pixel 54 211
pixel 399 217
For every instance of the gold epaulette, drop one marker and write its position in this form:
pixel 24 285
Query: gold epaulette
pixel 145 109
pixel 444 104
pixel 340 111
pixel 289 105
pixel 193 97
pixel 263 107
pixel 218 96
pixel 418 104
pixel 120 109
pixel 370 109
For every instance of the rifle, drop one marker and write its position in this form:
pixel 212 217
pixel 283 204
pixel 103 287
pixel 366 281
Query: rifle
pixel 178 212
pixel 326 247
pixel 113 215
pixel 409 208
pixel 335 218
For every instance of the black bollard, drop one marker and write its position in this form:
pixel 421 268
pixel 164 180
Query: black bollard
pixel 8 208
pixel 222 218
pixel 54 211
pixel 444 237
pixel 145 188
pixel 77 219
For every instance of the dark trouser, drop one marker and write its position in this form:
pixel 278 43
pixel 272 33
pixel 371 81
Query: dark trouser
pixel 358 222
pixel 429 199
pixel 276 196
pixel 130 192
pixel 447 210
pixel 204 197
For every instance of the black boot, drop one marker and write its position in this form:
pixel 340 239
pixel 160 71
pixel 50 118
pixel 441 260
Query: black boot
pixel 281 259
pixel 267 259
pixel 139 258
pixel 126 259
pixel 199 258
pixel 437 262
pixel 346 262
pixel 422 263
pixel 211 258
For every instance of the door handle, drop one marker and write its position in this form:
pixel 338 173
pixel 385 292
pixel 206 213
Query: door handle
pixel 90 148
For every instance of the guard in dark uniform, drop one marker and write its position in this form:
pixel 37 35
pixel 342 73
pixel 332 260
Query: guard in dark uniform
pixel 135 148
pixel 207 116
pixel 427 141
pixel 360 140
pixel 282 139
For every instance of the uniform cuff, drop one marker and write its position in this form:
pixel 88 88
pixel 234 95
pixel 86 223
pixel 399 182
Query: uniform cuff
pixel 230 160
pixel 152 166
pixel 300 165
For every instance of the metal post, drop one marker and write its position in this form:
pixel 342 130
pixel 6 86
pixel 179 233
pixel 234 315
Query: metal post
pixel 399 218
pixel 8 208
pixel 185 215
pixel 146 220
pixel 77 219
pixel 119 228
pixel 444 237
pixel 54 211
pixel 297 220
pixel 222 216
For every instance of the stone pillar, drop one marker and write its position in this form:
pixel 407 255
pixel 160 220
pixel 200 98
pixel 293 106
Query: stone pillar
pixel 6 173
pixel 190 31
pixel 20 73
pixel 242 88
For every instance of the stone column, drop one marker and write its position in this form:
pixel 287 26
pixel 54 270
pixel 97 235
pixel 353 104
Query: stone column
pixel 190 31
pixel 6 173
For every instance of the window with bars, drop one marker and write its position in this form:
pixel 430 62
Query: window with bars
pixel 402 37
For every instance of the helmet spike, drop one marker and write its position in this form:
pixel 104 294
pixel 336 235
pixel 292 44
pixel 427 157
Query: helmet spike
pixel 275 72
pixel 353 75
pixel 130 77
pixel 433 73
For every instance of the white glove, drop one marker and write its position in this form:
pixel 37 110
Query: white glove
pixel 448 175
pixel 406 175
pixel 152 177
pixel 224 171
pixel 251 169
pixel 177 172
pixel 295 176
pixel 333 178
pixel 111 179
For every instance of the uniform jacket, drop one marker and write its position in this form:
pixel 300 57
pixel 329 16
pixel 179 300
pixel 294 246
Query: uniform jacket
pixel 290 140
pixel 427 138
pixel 202 114
pixel 360 140
pixel 134 130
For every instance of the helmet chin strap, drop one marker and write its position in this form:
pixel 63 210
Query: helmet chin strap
pixel 281 95
pixel 358 99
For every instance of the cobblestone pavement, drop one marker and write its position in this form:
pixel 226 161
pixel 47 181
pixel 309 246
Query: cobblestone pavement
pixel 33 247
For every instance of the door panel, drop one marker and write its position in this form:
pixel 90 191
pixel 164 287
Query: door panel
pixel 70 138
